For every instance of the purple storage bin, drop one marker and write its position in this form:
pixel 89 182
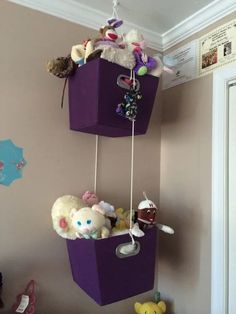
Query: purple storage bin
pixel 107 278
pixel 94 96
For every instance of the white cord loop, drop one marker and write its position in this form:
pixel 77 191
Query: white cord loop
pixel 114 10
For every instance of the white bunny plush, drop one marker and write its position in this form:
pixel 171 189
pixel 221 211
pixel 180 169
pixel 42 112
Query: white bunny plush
pixel 89 223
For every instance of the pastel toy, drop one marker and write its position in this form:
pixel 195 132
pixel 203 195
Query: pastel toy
pixel 90 198
pixel 80 52
pixel 90 223
pixel 60 212
pixel 108 209
pixel 134 40
pixel 122 223
pixel 150 308
pixel 160 68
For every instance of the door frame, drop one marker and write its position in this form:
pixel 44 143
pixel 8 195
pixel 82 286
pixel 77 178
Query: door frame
pixel 219 242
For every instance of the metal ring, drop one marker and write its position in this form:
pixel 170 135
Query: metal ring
pixel 132 253
pixel 122 84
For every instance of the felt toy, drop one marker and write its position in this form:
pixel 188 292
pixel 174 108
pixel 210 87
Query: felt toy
pixel 147 216
pixel 161 67
pixel 89 223
pixel 150 308
pixel 80 52
pixel 135 42
pixel 90 198
pixel 122 223
pixel 122 57
pixel 62 67
pixel 61 215
pixel 108 38
pixel 128 108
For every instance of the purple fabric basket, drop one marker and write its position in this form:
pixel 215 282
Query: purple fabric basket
pixel 94 96
pixel 107 278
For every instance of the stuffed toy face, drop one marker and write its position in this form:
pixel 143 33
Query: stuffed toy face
pixel 88 221
pixel 150 308
pixel 134 40
pixel 147 212
pixel 109 33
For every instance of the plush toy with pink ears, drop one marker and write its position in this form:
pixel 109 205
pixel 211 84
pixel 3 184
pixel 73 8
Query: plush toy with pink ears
pixel 89 223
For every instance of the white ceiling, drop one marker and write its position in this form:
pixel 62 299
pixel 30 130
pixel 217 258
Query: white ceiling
pixel 164 23
pixel 157 15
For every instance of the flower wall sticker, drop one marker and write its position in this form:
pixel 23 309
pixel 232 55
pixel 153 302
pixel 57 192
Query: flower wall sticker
pixel 11 162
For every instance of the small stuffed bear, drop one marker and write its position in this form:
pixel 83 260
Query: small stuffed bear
pixel 150 308
pixel 89 223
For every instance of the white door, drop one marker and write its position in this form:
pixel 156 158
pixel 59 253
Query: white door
pixel 232 200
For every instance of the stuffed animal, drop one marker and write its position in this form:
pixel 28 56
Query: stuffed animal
pixel 122 223
pixel 89 223
pixel 150 308
pixel 147 216
pixel 135 42
pixel 62 67
pixel 108 38
pixel 61 215
pixel 161 67
pixel 122 57
pixel 90 198
pixel 80 52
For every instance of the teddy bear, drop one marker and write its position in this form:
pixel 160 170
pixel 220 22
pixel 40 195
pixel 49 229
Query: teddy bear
pixel 60 212
pixel 135 42
pixel 89 222
pixel 150 308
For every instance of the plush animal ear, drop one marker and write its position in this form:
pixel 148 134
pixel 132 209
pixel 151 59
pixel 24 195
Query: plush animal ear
pixel 137 307
pixel 72 212
pixel 162 305
pixel 98 209
pixel 101 30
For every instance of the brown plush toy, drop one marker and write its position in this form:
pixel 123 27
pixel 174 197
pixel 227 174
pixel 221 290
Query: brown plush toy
pixel 61 67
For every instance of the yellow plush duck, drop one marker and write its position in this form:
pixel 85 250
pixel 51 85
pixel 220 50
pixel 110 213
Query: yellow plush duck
pixel 150 308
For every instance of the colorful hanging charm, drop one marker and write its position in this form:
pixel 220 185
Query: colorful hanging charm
pixel 128 108
pixel 11 162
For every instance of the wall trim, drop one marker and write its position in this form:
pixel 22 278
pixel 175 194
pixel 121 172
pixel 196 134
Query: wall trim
pixel 198 21
pixel 75 12
pixel 219 248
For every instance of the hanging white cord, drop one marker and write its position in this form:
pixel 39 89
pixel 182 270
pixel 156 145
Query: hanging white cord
pixel 96 166
pixel 114 11
pixel 132 183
